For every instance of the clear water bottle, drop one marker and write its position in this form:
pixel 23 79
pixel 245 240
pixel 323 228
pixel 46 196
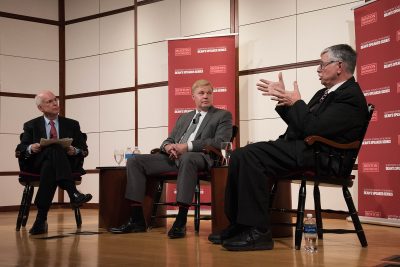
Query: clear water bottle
pixel 310 234
pixel 128 153
pixel 136 150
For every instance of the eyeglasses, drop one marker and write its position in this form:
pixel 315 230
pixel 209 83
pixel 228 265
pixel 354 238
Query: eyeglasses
pixel 51 101
pixel 322 65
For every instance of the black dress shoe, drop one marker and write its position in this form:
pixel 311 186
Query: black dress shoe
pixel 78 199
pixel 229 232
pixel 130 227
pixel 215 239
pixel 39 227
pixel 250 239
pixel 177 232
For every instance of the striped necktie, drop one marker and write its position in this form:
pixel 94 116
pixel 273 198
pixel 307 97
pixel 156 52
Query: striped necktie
pixel 190 129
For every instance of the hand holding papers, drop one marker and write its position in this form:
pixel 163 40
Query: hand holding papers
pixel 64 142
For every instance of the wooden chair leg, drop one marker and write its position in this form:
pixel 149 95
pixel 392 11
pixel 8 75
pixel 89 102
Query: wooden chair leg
pixel 22 207
pixel 197 207
pixel 354 216
pixel 28 206
pixel 78 217
pixel 300 214
pixel 19 219
pixel 157 197
pixel 317 206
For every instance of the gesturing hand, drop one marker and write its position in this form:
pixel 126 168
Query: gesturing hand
pixel 278 92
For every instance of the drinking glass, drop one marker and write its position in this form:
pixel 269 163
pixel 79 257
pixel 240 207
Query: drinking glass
pixel 226 151
pixel 118 156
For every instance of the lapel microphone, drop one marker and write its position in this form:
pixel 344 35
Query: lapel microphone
pixel 196 118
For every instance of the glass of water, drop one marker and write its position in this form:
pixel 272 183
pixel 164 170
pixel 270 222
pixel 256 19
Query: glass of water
pixel 226 151
pixel 118 156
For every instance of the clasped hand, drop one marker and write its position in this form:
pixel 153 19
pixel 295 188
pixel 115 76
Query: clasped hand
pixel 278 92
pixel 175 150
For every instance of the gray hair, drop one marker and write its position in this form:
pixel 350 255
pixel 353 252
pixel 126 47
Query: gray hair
pixel 344 53
pixel 39 96
pixel 38 99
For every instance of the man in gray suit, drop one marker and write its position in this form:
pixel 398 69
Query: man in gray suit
pixel 182 152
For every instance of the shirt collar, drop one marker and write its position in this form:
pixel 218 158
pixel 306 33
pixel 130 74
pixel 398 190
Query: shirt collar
pixel 336 86
pixel 47 121
pixel 203 113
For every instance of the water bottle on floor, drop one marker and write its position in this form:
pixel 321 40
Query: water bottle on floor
pixel 310 234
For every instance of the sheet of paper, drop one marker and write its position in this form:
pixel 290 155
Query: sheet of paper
pixel 64 142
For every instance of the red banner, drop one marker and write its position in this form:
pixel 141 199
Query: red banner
pixel 210 58
pixel 377 28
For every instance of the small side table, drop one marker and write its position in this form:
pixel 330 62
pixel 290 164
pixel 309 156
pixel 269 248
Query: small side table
pixel 114 209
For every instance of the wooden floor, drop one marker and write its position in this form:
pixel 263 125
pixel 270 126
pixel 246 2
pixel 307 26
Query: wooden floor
pixel 65 246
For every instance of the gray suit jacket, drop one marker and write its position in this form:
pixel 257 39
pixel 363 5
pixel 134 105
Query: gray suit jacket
pixel 215 128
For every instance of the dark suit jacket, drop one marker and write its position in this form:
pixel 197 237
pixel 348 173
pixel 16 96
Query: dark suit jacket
pixel 342 117
pixel 35 129
pixel 215 128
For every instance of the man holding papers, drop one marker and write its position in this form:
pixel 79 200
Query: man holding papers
pixel 55 162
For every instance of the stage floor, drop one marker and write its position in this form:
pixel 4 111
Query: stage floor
pixel 64 246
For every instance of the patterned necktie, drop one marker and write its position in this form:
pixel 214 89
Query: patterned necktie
pixel 53 131
pixel 191 129
pixel 316 105
pixel 324 96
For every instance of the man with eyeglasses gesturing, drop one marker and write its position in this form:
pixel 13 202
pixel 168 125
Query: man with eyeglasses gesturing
pixel 337 112
pixel 54 163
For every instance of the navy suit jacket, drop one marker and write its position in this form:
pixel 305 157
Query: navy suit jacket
pixel 35 129
pixel 341 117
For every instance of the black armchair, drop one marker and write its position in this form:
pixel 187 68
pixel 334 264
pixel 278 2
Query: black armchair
pixel 333 172
pixel 30 179
pixel 202 176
